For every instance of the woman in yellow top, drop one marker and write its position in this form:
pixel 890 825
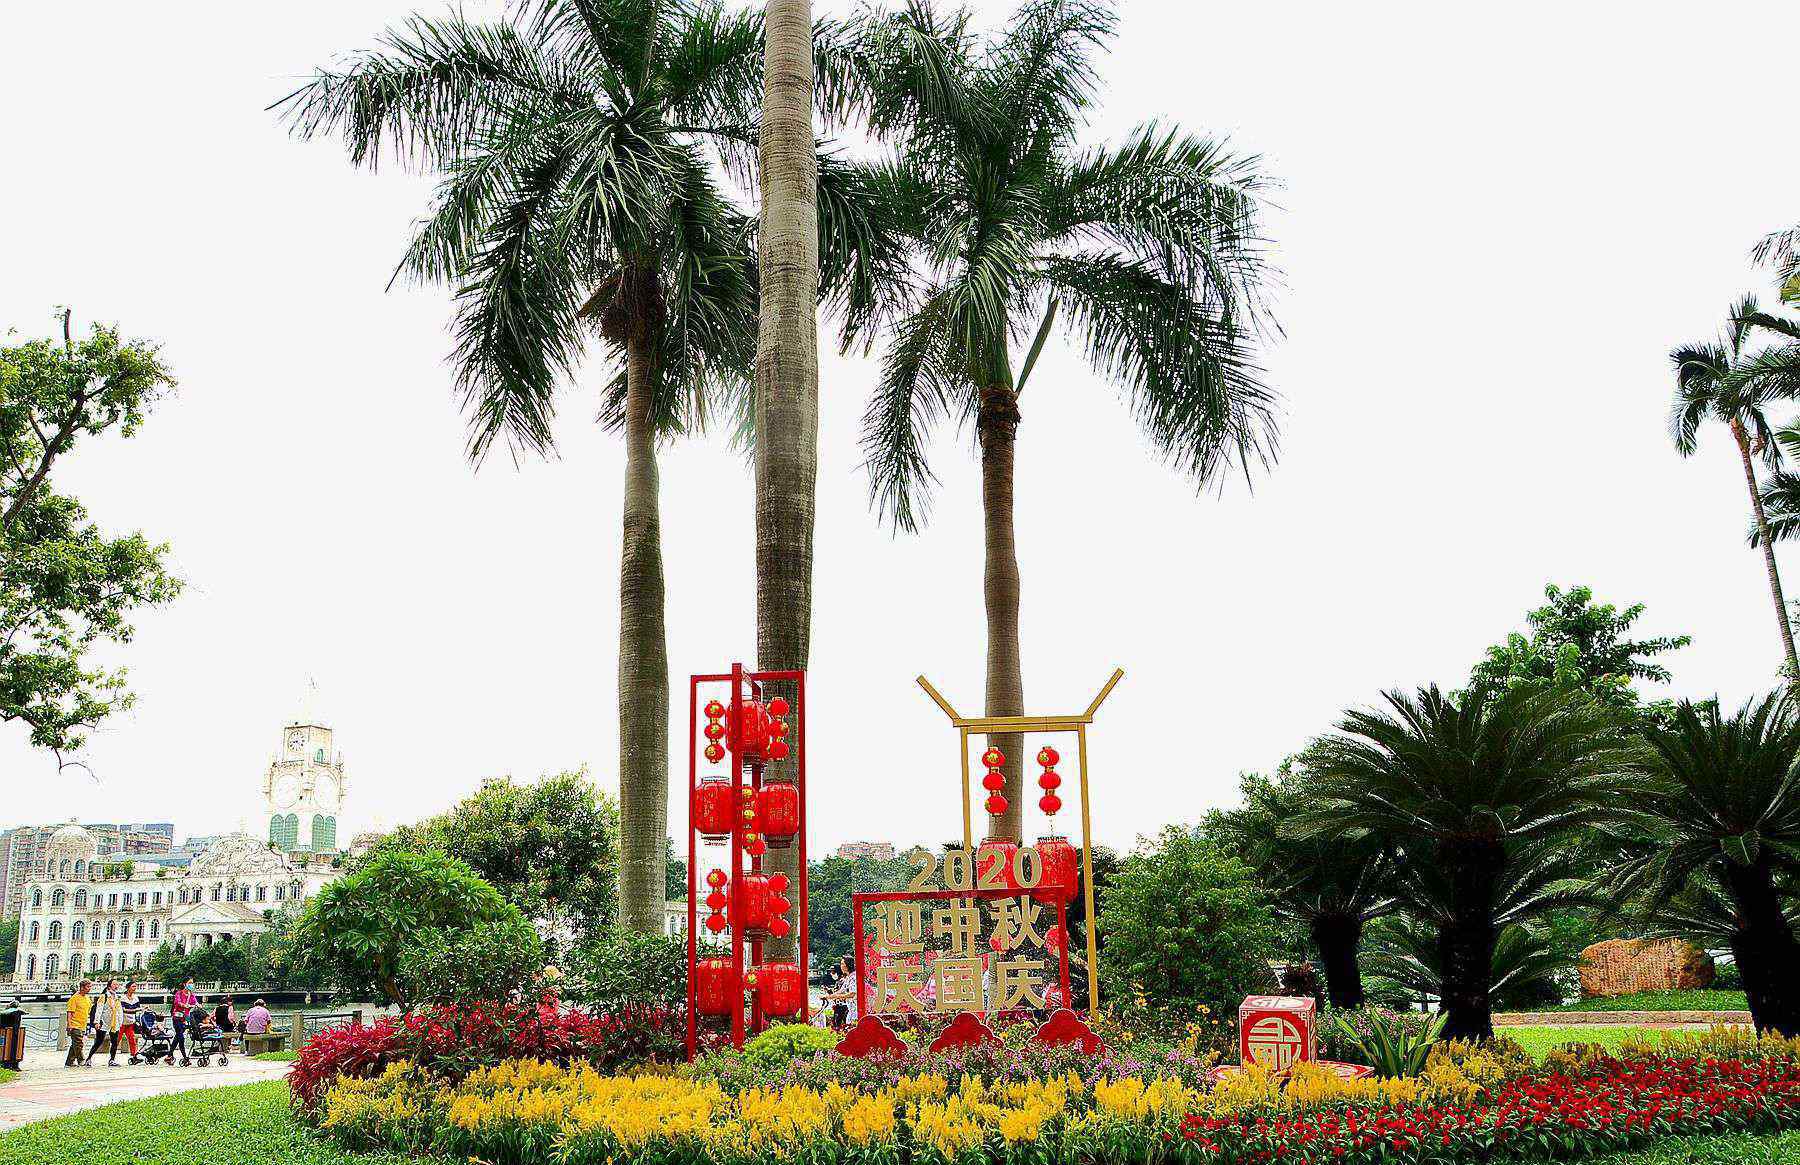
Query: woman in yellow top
pixel 76 1014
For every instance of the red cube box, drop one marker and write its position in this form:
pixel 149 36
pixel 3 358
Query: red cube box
pixel 1277 1031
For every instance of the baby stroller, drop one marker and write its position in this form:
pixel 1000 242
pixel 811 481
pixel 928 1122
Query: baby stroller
pixel 207 1044
pixel 156 1040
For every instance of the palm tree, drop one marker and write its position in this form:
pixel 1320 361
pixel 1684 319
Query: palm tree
pixel 1781 250
pixel 1334 887
pixel 1148 247
pixel 576 192
pixel 1715 837
pixel 1405 951
pixel 1478 796
pixel 1715 382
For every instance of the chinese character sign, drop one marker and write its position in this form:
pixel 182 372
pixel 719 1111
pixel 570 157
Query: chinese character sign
pixel 1276 1030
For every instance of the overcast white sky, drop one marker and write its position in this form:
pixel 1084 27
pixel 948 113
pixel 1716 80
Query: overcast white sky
pixel 1495 224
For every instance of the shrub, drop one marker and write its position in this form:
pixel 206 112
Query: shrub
pixel 623 969
pixel 777 1047
pixel 1387 1044
pixel 496 959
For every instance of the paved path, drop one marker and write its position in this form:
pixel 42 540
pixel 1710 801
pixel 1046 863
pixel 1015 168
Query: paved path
pixel 46 1091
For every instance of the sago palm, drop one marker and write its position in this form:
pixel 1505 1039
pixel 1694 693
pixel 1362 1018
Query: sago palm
pixel 1147 248
pixel 1717 829
pixel 1720 381
pixel 578 149
pixel 1478 796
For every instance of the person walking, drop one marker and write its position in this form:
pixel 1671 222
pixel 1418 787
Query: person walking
pixel 180 1004
pixel 12 1034
pixel 108 1017
pixel 132 1007
pixel 76 1013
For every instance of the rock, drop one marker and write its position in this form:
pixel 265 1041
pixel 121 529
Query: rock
pixel 1621 966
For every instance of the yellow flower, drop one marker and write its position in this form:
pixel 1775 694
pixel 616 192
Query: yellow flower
pixel 869 1119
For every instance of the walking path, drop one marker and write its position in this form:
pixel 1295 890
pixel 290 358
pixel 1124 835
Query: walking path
pixel 43 1092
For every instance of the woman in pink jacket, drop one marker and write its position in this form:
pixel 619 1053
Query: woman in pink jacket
pixel 180 1004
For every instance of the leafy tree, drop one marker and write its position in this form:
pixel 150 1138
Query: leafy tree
pixel 1715 382
pixel 66 586
pixel 549 847
pixel 496 959
pixel 1479 797
pixel 9 945
pixel 1148 248
pixel 1525 966
pixel 1186 924
pixel 1334 887
pixel 621 969
pixel 1577 643
pixel 362 925
pixel 1712 841
pixel 829 884
pixel 577 149
pixel 1781 251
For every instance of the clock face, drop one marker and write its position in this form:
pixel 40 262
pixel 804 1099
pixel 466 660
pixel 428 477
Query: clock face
pixel 296 741
pixel 285 792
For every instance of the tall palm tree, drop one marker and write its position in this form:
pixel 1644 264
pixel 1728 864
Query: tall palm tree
pixel 1715 834
pixel 1148 247
pixel 1479 797
pixel 1781 250
pixel 576 193
pixel 1713 381
pixel 1333 886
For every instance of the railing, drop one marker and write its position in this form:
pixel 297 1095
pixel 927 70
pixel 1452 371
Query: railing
pixel 303 1027
pixel 42 1031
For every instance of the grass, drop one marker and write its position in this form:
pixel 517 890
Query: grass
pixel 1730 1149
pixel 7 1074
pixel 1694 1000
pixel 1539 1040
pixel 275 1057
pixel 245 1124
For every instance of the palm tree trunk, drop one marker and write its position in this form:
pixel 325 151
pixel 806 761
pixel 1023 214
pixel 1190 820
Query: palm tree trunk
pixel 1765 948
pixel 1768 549
pixel 1337 936
pixel 643 663
pixel 787 365
pixel 997 425
pixel 1466 941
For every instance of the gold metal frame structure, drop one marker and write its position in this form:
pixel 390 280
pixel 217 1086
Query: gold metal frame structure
pixel 1077 723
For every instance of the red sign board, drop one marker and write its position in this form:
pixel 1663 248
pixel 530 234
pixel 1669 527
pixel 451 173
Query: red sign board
pixel 1277 1031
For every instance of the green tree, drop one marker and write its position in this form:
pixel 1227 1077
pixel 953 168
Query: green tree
pixel 1334 887
pixel 1186 924
pixel 1715 835
pixel 1576 642
pixel 550 847
pixel 1781 251
pixel 495 959
pixel 362 925
pixel 9 945
pixel 1715 382
pixel 1149 248
pixel 66 586
pixel 829 885
pixel 1479 797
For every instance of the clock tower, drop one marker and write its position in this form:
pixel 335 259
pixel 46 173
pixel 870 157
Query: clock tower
pixel 304 791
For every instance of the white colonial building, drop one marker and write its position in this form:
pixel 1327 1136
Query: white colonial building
pixel 90 916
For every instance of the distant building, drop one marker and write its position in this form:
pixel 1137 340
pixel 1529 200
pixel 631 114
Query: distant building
pixel 880 851
pixel 23 852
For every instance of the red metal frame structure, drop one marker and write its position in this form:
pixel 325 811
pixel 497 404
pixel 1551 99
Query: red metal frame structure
pixel 856 925
pixel 746 772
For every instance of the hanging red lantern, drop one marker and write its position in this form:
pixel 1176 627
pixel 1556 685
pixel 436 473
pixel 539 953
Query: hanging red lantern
pixel 778 883
pixel 715 923
pixel 1061 876
pixel 716 879
pixel 712 986
pixel 1048 756
pixel 782 989
pixel 754 845
pixel 779 804
pixel 713 809
pixel 996 805
pixel 1050 803
pixel 751 732
pixel 715 752
pixel 1049 780
pixel 994 781
pixel 993 758
pixel 778 707
pixel 779 927
pixel 750 908
pixel 994 864
pixel 777 749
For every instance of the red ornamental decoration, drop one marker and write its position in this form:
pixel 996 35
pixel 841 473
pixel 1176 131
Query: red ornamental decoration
pixel 967 1030
pixel 1049 781
pixel 778 807
pixel 994 781
pixel 1065 1028
pixel 712 979
pixel 781 989
pixel 1061 877
pixel 994 863
pixel 871 1038
pixel 713 810
pixel 1277 1030
pixel 750 903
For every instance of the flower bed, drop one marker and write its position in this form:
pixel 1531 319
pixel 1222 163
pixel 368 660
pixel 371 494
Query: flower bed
pixel 1470 1104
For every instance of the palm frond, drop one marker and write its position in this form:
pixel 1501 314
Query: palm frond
pixel 920 384
pixel 1040 70
pixel 1781 503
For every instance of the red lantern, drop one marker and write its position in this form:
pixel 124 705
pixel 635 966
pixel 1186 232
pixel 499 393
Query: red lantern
pixel 750 902
pixel 716 900
pixel 714 710
pixel 716 879
pixel 751 732
pixel 994 864
pixel 1050 803
pixel 1061 877
pixel 993 758
pixel 994 781
pixel 713 815
pixel 778 883
pixel 779 927
pixel 1049 780
pixel 779 806
pixel 996 805
pixel 1048 757
pixel 754 845
pixel 712 986
pixel 715 923
pixel 715 752
pixel 778 750
pixel 781 988
pixel 778 707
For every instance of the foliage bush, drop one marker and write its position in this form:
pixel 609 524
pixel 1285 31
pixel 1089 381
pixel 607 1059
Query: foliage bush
pixel 773 1049
pixel 498 958
pixel 1386 1043
pixel 624 969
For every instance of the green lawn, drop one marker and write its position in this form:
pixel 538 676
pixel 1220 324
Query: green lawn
pixel 1539 1040
pixel 1707 1000
pixel 246 1124
pixel 276 1057
pixel 7 1074
pixel 1734 1149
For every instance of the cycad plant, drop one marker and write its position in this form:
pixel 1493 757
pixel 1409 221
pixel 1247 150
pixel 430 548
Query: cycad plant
pixel 1714 838
pixel 1333 886
pixel 1147 248
pixel 1477 795
pixel 1722 381
pixel 577 149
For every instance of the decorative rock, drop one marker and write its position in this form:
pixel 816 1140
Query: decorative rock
pixel 1622 966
